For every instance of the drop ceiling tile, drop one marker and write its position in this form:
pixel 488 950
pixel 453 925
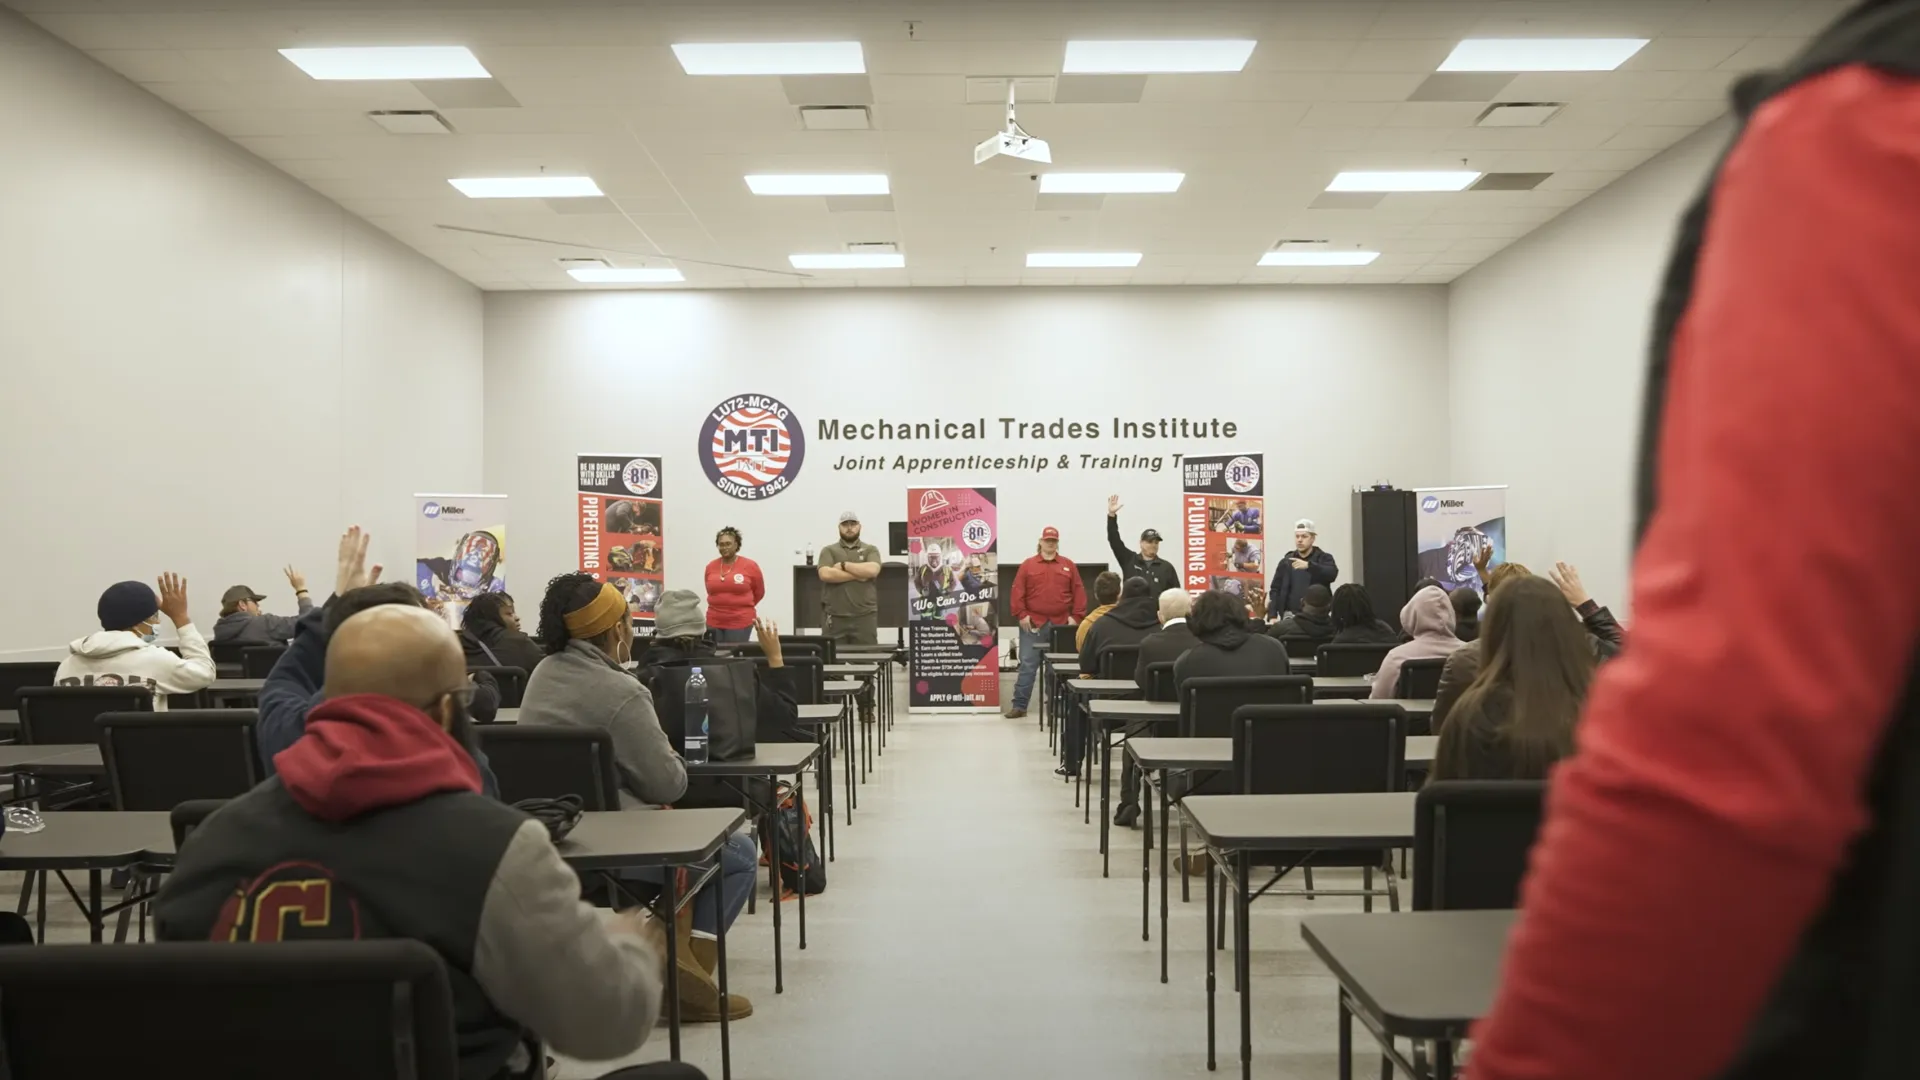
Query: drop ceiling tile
pixel 1401 56
pixel 1350 87
pixel 1435 114
pixel 919 89
pixel 1347 115
pixel 1683 54
pixel 1579 180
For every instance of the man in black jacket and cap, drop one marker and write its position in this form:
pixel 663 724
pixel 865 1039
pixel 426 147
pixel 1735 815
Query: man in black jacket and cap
pixel 1305 566
pixel 1146 563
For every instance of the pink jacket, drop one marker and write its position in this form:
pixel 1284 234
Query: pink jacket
pixel 1429 618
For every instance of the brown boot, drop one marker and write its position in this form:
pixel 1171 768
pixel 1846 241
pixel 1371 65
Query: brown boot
pixel 1197 865
pixel 707 952
pixel 699 993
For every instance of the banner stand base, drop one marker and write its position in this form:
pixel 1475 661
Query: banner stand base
pixel 975 710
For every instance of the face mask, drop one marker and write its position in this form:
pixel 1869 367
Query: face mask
pixel 150 635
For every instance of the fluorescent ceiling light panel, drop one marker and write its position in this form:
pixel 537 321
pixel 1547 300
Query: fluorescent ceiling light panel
pixel 1148 183
pixel 1318 258
pixel 1149 57
pixel 1081 259
pixel 528 187
pixel 871 261
pixel 773 58
pixel 1541 54
pixel 640 275
pixel 820 184
pixel 389 62
pixel 1432 180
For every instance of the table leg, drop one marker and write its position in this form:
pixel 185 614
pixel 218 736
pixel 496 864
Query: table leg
pixel 41 918
pixel 773 876
pixel 1106 796
pixel 1146 869
pixel 720 950
pixel 93 906
pixel 1211 1062
pixel 1346 1038
pixel 800 857
pixel 1086 758
pixel 673 963
pixel 1166 808
pixel 823 781
pixel 1243 965
pixel 1186 880
pixel 1442 1059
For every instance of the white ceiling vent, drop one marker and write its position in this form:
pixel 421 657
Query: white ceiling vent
pixel 836 117
pixel 872 247
pixel 412 122
pixel 1519 113
pixel 567 263
pixel 1303 245
pixel 992 89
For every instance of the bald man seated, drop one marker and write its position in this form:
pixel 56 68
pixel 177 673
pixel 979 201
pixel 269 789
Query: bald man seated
pixel 376 827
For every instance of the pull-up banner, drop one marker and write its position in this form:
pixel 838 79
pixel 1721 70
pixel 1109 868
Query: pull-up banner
pixel 460 550
pixel 618 505
pixel 1221 519
pixel 1455 525
pixel 953 622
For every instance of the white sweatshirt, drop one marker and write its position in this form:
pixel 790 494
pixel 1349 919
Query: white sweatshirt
pixel 121 658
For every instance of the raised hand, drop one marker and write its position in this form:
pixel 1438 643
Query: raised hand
pixel 1113 506
pixel 352 571
pixel 767 633
pixel 173 598
pixel 296 579
pixel 1482 558
pixel 1567 577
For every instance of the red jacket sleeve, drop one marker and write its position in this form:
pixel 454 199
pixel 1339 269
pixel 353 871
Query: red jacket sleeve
pixel 1079 588
pixel 1723 757
pixel 1018 601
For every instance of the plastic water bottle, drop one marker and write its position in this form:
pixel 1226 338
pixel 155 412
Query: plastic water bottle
pixel 695 738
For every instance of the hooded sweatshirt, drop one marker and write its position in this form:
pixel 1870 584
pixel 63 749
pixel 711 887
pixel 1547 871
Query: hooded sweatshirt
pixel 122 658
pixel 580 687
pixel 1317 625
pixel 1232 650
pixel 262 629
pixel 1129 623
pixel 375 828
pixel 1429 617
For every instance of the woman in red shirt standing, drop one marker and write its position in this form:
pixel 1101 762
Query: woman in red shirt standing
pixel 734 587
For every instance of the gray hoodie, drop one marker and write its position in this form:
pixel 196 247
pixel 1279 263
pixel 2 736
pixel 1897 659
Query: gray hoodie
pixel 261 629
pixel 580 687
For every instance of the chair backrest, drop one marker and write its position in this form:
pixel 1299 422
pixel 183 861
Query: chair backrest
pixel 511 680
pixel 256 661
pixel 1343 660
pixel 1299 647
pixel 1117 661
pixel 1160 682
pixel 535 761
pixel 1420 678
pixel 156 761
pixel 1470 842
pixel 66 714
pixel 1061 639
pixel 228 652
pixel 1319 749
pixel 1207 704
pixel 187 817
pixel 809 676
pixel 17 676
pixel 811 642
pixel 298 1010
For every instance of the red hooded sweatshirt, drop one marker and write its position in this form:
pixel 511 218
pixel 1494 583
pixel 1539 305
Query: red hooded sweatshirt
pixel 364 752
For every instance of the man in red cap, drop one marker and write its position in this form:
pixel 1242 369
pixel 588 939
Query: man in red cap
pixel 1047 592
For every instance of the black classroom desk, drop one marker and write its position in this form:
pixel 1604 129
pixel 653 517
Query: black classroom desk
pixel 233 689
pixel 51 758
pixel 821 718
pixel 1115 713
pixel 1232 825
pixel 1411 975
pixel 772 760
pixel 1086 690
pixel 80 840
pixel 9 723
pixel 1164 756
pixel 849 689
pixel 1341 686
pixel 1054 668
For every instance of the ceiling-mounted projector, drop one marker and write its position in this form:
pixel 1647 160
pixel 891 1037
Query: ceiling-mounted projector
pixel 1012 148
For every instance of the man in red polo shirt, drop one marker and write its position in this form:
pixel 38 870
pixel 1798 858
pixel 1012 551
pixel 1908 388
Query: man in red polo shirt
pixel 1047 592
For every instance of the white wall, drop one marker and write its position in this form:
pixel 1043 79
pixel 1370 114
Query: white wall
pixel 204 365
pixel 1338 386
pixel 1548 352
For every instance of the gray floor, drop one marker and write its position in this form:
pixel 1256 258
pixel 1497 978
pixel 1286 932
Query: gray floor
pixel 966 932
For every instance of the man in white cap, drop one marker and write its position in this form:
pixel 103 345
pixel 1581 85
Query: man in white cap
pixel 1305 566
pixel 848 570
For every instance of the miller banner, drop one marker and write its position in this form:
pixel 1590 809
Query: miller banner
pixel 1222 499
pixel 1453 526
pixel 618 505
pixel 953 622
pixel 460 550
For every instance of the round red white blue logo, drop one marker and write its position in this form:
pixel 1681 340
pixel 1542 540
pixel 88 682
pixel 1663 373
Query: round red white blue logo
pixel 752 446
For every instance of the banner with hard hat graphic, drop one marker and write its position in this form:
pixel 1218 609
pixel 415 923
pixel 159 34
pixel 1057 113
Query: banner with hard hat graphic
pixel 1223 527
pixel 460 550
pixel 1455 526
pixel 618 507
pixel 953 622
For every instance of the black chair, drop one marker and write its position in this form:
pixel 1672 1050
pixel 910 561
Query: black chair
pixel 1117 661
pixel 511 680
pixel 1336 661
pixel 1323 750
pixel 1160 682
pixel 51 715
pixel 808 642
pixel 300 1010
pixel 541 762
pixel 1061 639
pixel 1470 842
pixel 1207 704
pixel 256 661
pixel 227 653
pixel 1420 678
pixel 20 674
pixel 1300 648
pixel 809 676
pixel 156 761
pixel 187 817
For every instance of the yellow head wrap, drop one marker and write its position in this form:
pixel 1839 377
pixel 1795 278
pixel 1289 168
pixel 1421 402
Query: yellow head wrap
pixel 597 616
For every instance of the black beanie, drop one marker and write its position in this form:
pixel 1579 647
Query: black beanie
pixel 126 604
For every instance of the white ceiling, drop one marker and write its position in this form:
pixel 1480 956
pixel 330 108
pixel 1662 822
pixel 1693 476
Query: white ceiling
pixel 600 93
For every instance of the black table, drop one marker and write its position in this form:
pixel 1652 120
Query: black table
pixel 9 723
pixel 1165 756
pixel 1326 687
pixel 1107 714
pixel 1055 668
pixel 80 840
pixel 1423 975
pixel 1232 826
pixel 1076 693
pixel 223 690
pixel 822 718
pixel 51 758
pixel 871 674
pixel 848 690
pixel 611 840
pixel 772 760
